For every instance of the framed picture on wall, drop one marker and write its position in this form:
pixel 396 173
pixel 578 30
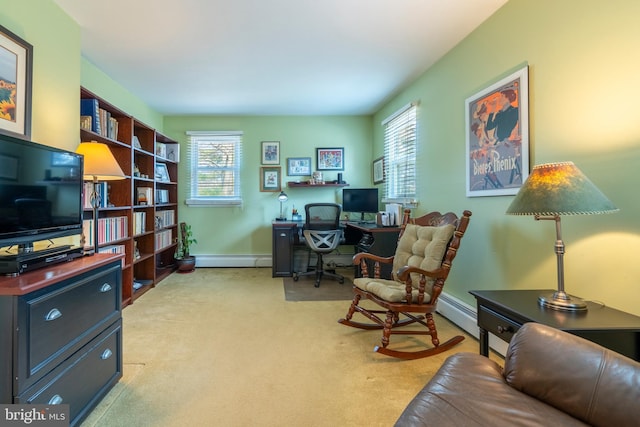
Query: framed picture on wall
pixel 16 67
pixel 270 153
pixel 299 166
pixel 330 159
pixel 497 137
pixel 378 170
pixel 270 178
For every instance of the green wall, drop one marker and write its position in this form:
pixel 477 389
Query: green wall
pixel 583 88
pixel 246 230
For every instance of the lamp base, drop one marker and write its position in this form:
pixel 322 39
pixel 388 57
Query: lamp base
pixel 562 302
pixel 281 219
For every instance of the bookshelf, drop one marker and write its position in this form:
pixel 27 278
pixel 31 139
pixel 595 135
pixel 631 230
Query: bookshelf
pixel 140 215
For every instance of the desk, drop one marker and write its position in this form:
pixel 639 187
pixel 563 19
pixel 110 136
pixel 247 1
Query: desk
pixel 365 238
pixel 502 313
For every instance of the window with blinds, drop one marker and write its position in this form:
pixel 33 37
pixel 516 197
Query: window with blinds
pixel 400 155
pixel 215 160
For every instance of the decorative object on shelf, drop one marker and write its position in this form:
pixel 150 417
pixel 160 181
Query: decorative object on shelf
pixel 162 173
pixel 185 261
pixel 555 189
pixel 17 57
pixel 316 178
pixel 173 152
pixel 378 170
pixel 497 128
pixel 270 179
pixel 270 153
pixel 299 166
pixel 330 159
pixel 99 165
pixel 282 197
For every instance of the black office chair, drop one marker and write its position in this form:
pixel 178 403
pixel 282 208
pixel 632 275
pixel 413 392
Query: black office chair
pixel 322 234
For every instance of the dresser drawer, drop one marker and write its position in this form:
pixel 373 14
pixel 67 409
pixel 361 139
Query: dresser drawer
pixel 83 379
pixel 61 320
pixel 496 323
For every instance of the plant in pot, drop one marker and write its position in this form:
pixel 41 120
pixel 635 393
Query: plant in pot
pixel 184 260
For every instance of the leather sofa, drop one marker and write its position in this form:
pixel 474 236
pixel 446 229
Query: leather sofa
pixel 550 378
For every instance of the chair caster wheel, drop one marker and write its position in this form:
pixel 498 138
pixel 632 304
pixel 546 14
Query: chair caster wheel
pixel 317 285
pixel 295 277
pixel 341 281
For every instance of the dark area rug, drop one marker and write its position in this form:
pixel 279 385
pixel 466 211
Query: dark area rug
pixel 329 290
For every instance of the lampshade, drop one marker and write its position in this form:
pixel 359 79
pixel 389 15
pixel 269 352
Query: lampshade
pixel 99 163
pixel 282 197
pixel 559 189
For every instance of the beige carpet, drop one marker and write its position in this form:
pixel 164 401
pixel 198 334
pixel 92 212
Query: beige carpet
pixel 329 290
pixel 222 347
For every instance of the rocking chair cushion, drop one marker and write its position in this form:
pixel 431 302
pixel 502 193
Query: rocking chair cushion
pixel 419 246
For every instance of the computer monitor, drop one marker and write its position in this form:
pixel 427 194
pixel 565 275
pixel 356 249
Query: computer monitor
pixel 360 200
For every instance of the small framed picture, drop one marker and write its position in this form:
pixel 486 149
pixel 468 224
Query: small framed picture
pixel 270 179
pixel 162 173
pixel 378 170
pixel 330 159
pixel 298 166
pixel 270 153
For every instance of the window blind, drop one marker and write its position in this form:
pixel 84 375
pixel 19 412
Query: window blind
pixel 215 160
pixel 400 155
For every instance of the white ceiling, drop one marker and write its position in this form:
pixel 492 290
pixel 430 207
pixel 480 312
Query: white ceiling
pixel 270 57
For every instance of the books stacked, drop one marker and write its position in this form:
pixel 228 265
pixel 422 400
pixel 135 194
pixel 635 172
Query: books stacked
pixel 97 119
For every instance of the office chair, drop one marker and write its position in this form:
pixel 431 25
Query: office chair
pixel 322 234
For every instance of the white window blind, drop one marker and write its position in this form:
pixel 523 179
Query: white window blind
pixel 215 160
pixel 400 155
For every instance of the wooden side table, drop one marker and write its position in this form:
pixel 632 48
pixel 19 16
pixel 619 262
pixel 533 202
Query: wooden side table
pixel 502 313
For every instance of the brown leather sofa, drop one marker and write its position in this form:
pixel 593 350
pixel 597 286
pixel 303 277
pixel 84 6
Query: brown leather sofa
pixel 550 378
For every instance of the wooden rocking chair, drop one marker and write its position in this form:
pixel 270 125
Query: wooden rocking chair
pixel 421 264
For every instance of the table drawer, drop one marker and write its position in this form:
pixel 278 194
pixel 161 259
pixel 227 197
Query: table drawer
pixel 86 377
pixel 496 323
pixel 59 322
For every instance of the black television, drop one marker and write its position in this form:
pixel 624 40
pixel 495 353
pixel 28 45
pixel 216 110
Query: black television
pixel 40 194
pixel 360 200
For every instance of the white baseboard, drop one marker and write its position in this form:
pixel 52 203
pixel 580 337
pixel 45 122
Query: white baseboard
pixel 233 261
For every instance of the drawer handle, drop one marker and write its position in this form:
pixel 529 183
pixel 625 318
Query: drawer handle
pixel 505 329
pixel 106 354
pixel 55 400
pixel 283 234
pixel 105 288
pixel 53 315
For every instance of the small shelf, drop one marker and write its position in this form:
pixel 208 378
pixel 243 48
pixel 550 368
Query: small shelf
pixel 293 184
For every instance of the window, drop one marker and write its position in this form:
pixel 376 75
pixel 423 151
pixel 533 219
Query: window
pixel 215 161
pixel 400 155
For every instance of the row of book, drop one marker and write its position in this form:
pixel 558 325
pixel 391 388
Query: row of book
pixel 163 239
pixel 97 119
pixel 109 229
pixel 102 192
pixel 113 249
pixel 139 220
pixel 165 218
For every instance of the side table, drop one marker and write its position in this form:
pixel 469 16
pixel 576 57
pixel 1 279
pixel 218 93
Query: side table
pixel 503 312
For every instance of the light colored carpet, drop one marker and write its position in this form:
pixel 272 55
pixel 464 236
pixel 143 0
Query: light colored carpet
pixel 222 347
pixel 329 290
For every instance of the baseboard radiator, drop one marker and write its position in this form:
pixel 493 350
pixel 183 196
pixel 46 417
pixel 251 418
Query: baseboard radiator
pixel 454 309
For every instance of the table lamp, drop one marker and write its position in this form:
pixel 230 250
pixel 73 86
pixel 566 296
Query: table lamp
pixel 282 197
pixel 99 165
pixel 552 190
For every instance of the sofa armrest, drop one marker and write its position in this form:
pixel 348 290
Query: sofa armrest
pixel 579 377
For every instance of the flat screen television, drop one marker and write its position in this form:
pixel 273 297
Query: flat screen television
pixel 40 193
pixel 360 200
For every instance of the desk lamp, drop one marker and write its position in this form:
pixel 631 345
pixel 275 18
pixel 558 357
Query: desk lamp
pixel 282 197
pixel 99 165
pixel 555 189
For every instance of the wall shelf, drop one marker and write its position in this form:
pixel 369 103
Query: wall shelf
pixel 305 184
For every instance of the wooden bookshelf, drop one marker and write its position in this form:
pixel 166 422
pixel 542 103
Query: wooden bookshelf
pixel 150 205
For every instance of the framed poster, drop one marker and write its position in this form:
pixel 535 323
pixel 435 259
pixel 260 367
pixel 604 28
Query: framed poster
pixel 270 153
pixel 497 134
pixel 16 60
pixel 270 179
pixel 299 166
pixel 330 159
pixel 378 170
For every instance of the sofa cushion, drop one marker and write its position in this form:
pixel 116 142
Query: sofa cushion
pixel 588 381
pixel 469 390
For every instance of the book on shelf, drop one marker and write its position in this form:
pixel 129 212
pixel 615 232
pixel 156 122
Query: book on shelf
pixel 90 107
pixel 110 229
pixel 165 219
pixel 139 219
pixel 97 119
pixel 144 196
pixel 163 239
pixel 162 196
pixel 102 192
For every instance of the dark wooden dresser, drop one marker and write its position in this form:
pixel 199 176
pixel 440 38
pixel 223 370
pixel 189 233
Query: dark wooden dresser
pixel 61 334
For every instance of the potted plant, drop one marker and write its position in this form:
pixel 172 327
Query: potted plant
pixel 185 261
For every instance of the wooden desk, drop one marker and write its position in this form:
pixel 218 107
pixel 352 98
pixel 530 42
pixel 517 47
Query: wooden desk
pixel 365 238
pixel 502 313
